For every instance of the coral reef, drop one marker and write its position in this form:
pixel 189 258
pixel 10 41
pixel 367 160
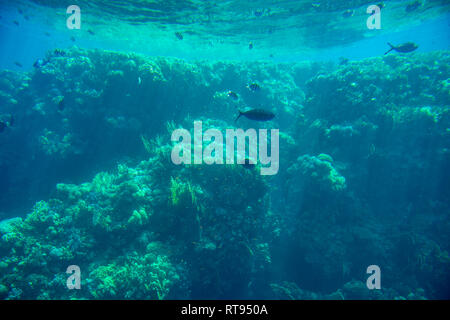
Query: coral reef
pixel 364 168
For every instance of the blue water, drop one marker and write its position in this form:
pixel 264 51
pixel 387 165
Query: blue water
pixel 432 34
pixel 87 175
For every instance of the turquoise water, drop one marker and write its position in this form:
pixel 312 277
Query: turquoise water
pixel 359 141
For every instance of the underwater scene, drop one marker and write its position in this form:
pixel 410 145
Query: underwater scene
pixel 225 149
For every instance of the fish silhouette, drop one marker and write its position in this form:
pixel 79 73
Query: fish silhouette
pixel 404 48
pixel 257 114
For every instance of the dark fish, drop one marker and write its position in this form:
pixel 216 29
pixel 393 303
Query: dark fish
pixel 413 6
pixel 403 48
pixel 257 114
pixel 348 13
pixel 47 34
pixel 20 11
pixel 247 164
pixel 233 95
pixel 91 32
pixel 179 35
pixel 258 13
pixel 59 52
pixel 26 18
pixel 4 124
pixel 254 87
pixel 380 5
pixel 250 46
pixel 18 64
pixel 16 22
pixel 73 39
pixel 61 104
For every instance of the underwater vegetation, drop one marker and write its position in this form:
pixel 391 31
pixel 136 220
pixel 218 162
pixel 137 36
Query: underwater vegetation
pixel 363 179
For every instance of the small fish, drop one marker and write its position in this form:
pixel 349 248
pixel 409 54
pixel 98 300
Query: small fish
pixel 20 11
pixel 91 32
pixel 233 95
pixel 59 52
pixel 403 48
pixel 381 5
pixel 47 34
pixel 256 114
pixel 258 13
pixel 348 13
pixel 26 18
pixel 73 39
pixel 254 87
pixel 18 64
pixel 413 6
pixel 250 46
pixel 61 104
pixel 6 124
pixel 139 81
pixel 179 35
pixel 16 22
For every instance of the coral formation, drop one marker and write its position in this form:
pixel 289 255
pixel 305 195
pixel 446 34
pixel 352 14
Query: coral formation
pixel 364 167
